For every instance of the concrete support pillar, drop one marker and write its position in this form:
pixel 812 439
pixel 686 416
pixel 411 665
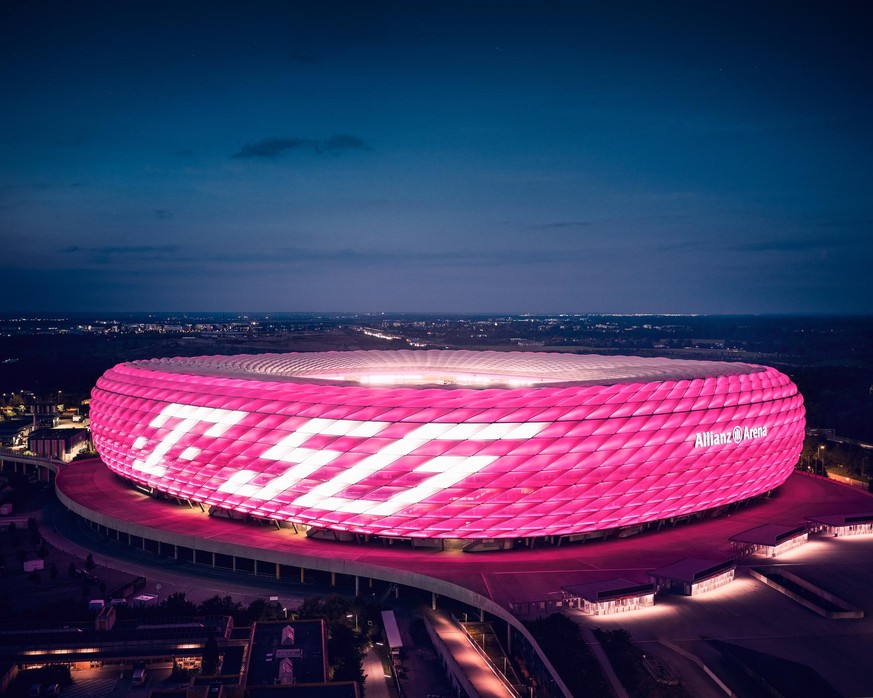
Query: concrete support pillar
pixel 481 616
pixel 508 639
pixel 143 542
pixel 333 579
pixel 175 552
pixel 371 582
pixel 357 585
pixel 278 571
pixel 213 560
pixel 302 575
pixel 256 567
pixel 433 601
pixel 233 562
pixel 396 591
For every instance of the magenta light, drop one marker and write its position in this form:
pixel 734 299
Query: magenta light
pixel 450 444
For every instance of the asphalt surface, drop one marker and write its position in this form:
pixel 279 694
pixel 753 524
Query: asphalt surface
pixel 506 577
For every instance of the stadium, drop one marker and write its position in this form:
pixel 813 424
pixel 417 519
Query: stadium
pixel 448 444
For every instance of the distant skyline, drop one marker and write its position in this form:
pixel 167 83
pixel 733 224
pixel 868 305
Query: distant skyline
pixel 512 157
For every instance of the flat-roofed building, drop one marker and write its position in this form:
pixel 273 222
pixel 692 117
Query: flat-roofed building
pixel 13 432
pixel 122 642
pixel 838 525
pixel 287 652
pixel 57 443
pixel 691 576
pixel 609 596
pixel 770 540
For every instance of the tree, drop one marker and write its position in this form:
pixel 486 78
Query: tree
pixel 344 654
pixel 332 608
pixel 177 605
pixel 217 606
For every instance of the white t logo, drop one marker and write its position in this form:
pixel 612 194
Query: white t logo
pixel 191 416
pixel 444 471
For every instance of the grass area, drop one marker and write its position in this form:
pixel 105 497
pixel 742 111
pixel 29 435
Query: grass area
pixel 627 661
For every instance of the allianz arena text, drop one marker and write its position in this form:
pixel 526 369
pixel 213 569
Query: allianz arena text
pixel 450 444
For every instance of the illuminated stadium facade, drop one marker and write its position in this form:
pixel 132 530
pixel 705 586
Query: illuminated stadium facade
pixel 450 444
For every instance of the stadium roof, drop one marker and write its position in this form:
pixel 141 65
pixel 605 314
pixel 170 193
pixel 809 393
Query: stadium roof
pixel 448 368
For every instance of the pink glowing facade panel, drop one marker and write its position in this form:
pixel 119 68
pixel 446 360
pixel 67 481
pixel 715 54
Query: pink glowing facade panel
pixel 450 444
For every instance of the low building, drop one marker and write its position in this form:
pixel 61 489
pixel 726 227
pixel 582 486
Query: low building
pixel 45 415
pixel 770 540
pixel 692 576
pixel 609 596
pixel 838 525
pixel 13 432
pixel 287 652
pixel 57 443
pixel 124 643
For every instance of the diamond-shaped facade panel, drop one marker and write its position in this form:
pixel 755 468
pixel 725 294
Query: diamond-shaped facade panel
pixel 450 444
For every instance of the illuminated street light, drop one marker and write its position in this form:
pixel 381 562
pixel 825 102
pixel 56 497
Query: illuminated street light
pixel 355 616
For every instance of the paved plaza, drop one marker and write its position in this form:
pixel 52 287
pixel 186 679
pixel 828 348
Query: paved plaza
pixel 745 612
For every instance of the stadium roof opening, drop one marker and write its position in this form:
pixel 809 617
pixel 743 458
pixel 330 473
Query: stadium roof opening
pixel 434 367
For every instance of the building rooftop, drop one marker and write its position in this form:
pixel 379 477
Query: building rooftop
pixel 768 534
pixel 286 652
pixel 54 434
pixel 843 519
pixel 691 569
pixel 608 589
pixel 11 427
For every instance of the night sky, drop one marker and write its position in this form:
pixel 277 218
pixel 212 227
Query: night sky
pixel 712 157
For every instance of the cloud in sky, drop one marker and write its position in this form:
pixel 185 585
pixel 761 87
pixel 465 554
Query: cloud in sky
pixel 121 249
pixel 559 224
pixel 793 245
pixel 274 147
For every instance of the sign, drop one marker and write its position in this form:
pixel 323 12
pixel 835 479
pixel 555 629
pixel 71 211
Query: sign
pixel 736 435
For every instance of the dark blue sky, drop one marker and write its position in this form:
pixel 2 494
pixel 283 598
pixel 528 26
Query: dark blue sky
pixel 461 157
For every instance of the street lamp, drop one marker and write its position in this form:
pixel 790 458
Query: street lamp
pixel 355 616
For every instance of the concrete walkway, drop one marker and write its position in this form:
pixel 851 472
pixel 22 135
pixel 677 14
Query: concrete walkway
pixel 377 682
pixel 482 677
pixel 172 576
pixel 600 655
